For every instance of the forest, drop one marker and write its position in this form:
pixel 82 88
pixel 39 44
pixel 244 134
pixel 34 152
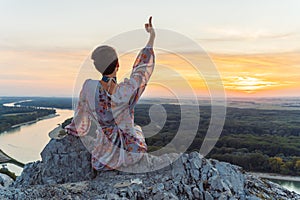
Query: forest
pixel 11 116
pixel 258 140
pixel 50 102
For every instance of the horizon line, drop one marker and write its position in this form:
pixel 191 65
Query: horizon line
pixel 144 98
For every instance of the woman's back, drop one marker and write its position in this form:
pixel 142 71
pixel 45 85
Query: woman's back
pixel 123 143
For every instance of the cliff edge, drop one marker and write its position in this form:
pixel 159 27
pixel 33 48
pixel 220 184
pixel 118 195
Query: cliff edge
pixel 65 172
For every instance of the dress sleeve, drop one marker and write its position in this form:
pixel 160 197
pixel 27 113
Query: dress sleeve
pixel 81 122
pixel 131 89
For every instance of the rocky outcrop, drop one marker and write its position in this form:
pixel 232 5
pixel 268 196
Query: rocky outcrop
pixel 65 173
pixel 5 180
pixel 63 161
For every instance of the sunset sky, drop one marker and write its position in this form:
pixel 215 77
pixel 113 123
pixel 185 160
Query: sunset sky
pixel 255 45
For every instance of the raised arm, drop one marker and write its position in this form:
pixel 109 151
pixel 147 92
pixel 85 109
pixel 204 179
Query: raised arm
pixel 143 65
pixel 131 89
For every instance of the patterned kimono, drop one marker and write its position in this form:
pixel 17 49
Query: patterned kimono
pixel 105 122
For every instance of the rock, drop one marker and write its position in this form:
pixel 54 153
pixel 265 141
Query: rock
pixel 188 191
pixel 196 193
pixel 65 172
pixel 1 181
pixel 207 196
pixel 158 188
pixel 65 160
pixel 5 180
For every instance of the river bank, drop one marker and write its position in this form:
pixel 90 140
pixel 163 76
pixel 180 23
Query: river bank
pixel 34 121
pixel 13 104
pixel 25 142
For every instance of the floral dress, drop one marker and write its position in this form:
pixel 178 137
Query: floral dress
pixel 105 122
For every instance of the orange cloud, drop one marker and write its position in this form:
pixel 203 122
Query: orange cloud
pixel 39 72
pixel 54 73
pixel 256 73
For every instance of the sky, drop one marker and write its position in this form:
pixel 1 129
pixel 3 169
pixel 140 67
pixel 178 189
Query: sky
pixel 254 45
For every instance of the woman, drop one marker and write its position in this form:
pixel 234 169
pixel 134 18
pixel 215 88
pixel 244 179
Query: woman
pixel 110 106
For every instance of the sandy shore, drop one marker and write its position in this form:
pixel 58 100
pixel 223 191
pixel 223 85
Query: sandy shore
pixel 276 176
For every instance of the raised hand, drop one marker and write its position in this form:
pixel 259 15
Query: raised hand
pixel 149 28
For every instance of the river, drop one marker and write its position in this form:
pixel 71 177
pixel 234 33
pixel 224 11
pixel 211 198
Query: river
pixel 290 185
pixel 25 143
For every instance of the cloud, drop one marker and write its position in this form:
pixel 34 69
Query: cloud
pixel 251 73
pixel 247 83
pixel 232 35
